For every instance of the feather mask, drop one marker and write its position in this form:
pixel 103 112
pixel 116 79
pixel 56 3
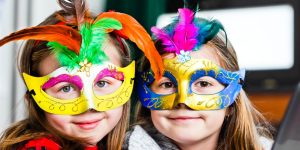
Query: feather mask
pixel 186 34
pixel 73 47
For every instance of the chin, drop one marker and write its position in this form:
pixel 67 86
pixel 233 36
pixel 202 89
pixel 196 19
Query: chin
pixel 93 140
pixel 185 138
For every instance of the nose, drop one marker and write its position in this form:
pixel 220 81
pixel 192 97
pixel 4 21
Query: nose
pixel 92 110
pixel 181 106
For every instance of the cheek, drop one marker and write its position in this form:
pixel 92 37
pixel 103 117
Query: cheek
pixel 114 116
pixel 59 122
pixel 215 118
pixel 159 119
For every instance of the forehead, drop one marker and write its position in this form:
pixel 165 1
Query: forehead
pixel 112 52
pixel 207 52
pixel 48 64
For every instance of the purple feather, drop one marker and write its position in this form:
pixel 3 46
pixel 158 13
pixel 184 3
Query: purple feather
pixel 167 41
pixel 185 31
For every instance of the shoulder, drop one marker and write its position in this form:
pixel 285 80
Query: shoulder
pixel 137 138
pixel 266 143
pixel 41 143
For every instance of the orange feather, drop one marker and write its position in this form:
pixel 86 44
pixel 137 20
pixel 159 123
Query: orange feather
pixel 64 35
pixel 136 33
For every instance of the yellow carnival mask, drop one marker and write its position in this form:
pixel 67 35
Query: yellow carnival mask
pixel 100 87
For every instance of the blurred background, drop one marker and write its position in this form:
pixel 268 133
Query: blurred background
pixel 264 33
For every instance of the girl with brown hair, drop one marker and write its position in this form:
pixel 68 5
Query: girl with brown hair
pixel 199 102
pixel 79 78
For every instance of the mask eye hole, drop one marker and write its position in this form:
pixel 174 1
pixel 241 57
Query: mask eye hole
pixel 106 85
pixel 63 90
pixel 63 87
pixel 206 85
pixel 164 86
pixel 108 81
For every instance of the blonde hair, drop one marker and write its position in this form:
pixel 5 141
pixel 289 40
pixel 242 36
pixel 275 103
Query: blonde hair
pixel 36 124
pixel 244 125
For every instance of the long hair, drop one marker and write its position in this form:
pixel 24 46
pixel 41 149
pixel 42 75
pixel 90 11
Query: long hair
pixel 36 124
pixel 244 124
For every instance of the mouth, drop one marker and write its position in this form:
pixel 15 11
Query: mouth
pixel 184 118
pixel 87 125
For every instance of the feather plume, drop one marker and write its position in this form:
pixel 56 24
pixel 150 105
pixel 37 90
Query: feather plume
pixel 94 36
pixel 137 34
pixel 63 35
pixel 65 56
pixel 185 32
pixel 209 29
pixel 182 37
pixel 77 8
pixel 167 41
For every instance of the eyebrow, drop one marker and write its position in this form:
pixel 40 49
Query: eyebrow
pixel 110 73
pixel 63 78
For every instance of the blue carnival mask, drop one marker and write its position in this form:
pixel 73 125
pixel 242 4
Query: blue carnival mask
pixel 198 83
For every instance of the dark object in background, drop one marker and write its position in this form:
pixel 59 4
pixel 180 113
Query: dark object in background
pixel 288 137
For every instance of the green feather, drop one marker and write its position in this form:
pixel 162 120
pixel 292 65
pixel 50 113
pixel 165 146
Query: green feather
pixel 93 37
pixel 65 56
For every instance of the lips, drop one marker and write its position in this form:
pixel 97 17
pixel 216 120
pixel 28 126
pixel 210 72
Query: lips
pixel 88 125
pixel 184 118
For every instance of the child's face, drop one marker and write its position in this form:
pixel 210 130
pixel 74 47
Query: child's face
pixel 186 126
pixel 90 125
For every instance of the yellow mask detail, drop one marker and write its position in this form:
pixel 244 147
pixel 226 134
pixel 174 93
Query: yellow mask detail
pixel 87 98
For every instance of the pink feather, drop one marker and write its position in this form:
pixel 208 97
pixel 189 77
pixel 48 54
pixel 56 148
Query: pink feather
pixel 185 31
pixel 167 41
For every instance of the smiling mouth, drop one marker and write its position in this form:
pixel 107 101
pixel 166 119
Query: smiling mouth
pixel 87 125
pixel 184 118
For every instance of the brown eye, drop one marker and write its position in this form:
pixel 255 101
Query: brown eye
pixel 207 85
pixel 163 86
pixel 204 84
pixel 167 85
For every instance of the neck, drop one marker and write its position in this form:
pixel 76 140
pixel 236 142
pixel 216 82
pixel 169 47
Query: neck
pixel 208 143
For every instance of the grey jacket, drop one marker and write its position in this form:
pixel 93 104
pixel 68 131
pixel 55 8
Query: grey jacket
pixel 150 139
pixel 147 139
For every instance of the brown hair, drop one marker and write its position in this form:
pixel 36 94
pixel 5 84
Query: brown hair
pixel 244 125
pixel 36 125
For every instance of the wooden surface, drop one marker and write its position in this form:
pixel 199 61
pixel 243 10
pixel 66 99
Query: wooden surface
pixel 272 105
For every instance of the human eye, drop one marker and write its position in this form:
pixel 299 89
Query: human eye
pixel 66 88
pixel 207 85
pixel 167 84
pixel 203 83
pixel 102 83
pixel 63 90
pixel 163 86
pixel 107 85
